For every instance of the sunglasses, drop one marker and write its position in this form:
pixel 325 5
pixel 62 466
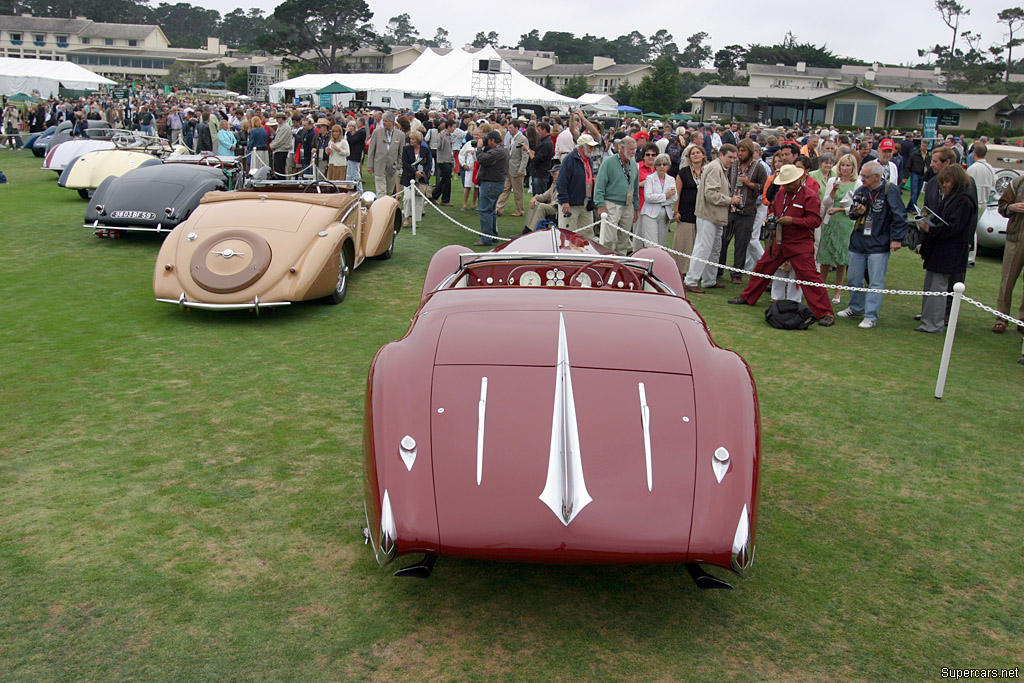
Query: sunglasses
pixel 650 154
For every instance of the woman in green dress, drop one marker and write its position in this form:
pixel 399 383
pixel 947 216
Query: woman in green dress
pixel 823 173
pixel 836 226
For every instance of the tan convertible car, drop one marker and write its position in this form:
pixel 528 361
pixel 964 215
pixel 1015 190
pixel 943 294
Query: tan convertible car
pixel 270 246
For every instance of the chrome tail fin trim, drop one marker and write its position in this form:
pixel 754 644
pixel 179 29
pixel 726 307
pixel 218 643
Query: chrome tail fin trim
pixel 565 490
pixel 706 581
pixel 645 420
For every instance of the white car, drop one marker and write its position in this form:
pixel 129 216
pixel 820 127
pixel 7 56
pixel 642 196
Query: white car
pixel 1008 162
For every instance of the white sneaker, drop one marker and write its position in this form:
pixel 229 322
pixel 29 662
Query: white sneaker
pixel 847 313
pixel 866 323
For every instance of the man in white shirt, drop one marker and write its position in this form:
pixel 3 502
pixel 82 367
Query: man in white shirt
pixel 716 139
pixel 984 177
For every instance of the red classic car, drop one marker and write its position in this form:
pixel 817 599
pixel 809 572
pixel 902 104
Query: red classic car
pixel 555 402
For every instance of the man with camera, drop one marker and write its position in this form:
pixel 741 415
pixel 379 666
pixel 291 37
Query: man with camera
pixel 575 187
pixel 881 223
pixel 796 212
pixel 492 161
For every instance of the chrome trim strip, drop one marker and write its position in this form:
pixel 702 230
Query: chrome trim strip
pixel 481 417
pixel 645 420
pixel 565 490
pixel 388 531
pixel 123 228
pixel 469 258
pixel 224 307
pixel 742 555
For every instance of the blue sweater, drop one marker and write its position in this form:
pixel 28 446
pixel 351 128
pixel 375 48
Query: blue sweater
pixel 888 220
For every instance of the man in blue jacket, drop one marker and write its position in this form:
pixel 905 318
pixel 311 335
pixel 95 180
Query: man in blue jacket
pixel 575 187
pixel 881 223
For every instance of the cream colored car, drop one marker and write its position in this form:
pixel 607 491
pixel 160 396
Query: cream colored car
pixel 253 249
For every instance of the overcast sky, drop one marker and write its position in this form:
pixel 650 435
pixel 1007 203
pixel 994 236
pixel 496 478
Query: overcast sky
pixel 889 33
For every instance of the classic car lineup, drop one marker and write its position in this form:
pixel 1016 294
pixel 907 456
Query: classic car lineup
pixel 543 407
pixel 86 172
pixel 268 247
pixel 150 199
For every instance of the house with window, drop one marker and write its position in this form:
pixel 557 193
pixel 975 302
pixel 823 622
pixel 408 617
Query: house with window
pixel 117 51
pixel 856 106
pixel 603 75
pixel 878 77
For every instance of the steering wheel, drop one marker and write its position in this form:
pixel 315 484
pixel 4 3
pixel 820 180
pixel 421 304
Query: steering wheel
pixel 627 279
pixel 318 183
pixel 216 160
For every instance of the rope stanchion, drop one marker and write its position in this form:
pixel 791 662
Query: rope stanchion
pixel 947 345
pixel 412 205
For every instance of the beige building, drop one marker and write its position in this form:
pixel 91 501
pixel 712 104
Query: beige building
pixel 117 51
pixel 603 75
pixel 875 76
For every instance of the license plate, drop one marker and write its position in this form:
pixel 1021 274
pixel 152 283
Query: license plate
pixel 143 215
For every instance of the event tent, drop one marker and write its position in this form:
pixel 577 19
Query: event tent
pixel 599 102
pixel 443 77
pixel 45 77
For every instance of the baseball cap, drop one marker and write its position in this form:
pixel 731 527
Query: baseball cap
pixel 585 139
pixel 886 144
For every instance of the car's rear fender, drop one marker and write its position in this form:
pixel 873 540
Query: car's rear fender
pixel 382 222
pixel 728 424
pixel 401 375
pixel 316 271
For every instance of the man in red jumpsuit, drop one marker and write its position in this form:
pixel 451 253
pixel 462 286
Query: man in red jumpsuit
pixel 798 211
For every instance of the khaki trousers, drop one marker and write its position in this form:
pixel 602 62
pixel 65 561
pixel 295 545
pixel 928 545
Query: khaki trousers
pixel 622 216
pixel 514 184
pixel 385 184
pixel 1013 262
pixel 577 217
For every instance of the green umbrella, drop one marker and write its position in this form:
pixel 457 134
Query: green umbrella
pixel 925 101
pixel 21 97
pixel 653 115
pixel 334 88
pixel 680 117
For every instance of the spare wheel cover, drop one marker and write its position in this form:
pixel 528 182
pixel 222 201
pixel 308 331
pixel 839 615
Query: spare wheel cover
pixel 230 261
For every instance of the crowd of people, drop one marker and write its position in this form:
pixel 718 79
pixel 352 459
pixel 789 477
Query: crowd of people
pixel 798 204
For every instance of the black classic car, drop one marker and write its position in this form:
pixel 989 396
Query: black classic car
pixel 151 199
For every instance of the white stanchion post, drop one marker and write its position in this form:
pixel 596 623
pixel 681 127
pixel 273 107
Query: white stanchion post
pixel 947 347
pixel 412 205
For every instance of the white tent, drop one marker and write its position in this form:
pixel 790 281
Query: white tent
pixel 449 76
pixel 599 102
pixel 44 78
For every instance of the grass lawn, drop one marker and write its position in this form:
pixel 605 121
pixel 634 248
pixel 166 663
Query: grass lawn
pixel 181 493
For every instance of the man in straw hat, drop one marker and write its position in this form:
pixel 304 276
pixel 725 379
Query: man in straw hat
pixel 797 210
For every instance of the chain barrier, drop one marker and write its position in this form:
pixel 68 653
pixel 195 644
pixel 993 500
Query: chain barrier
pixel 429 203
pixel 804 283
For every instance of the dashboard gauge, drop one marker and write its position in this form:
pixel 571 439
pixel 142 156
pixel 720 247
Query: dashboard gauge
pixel 529 278
pixel 583 280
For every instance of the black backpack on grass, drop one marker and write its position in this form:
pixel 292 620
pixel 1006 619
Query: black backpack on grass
pixel 789 315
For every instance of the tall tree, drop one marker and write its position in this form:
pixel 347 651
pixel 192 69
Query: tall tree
pixel 575 86
pixel 440 38
pixel 400 31
pixel 1013 17
pixel 659 91
pixel 482 39
pixel 186 25
pixel 696 53
pixel 791 51
pixel 324 29
pixel 530 41
pixel 728 60
pixel 951 11
pixel 631 48
pixel 241 29
pixel 624 93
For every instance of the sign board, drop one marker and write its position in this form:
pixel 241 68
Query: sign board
pixel 930 127
pixel 120 93
pixel 949 118
pixel 415 105
pixel 451 103
pixel 296 101
pixel 326 100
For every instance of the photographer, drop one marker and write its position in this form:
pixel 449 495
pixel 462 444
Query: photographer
pixel 492 158
pixel 796 211
pixel 881 223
